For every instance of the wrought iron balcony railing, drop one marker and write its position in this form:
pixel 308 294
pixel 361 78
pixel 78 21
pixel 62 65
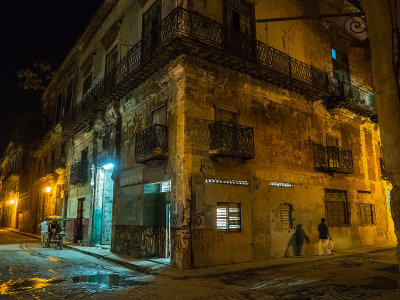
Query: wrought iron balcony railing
pixel 227 139
pixel 333 159
pixel 79 173
pixel 59 163
pixel 185 32
pixel 152 143
pixel 352 98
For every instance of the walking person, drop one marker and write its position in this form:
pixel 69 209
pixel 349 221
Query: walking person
pixel 323 238
pixel 44 231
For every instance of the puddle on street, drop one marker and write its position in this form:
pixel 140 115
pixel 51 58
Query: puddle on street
pixel 103 280
pixel 107 280
pixel 12 287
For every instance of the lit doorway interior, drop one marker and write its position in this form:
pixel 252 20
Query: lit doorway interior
pixel 157 214
pixel 102 217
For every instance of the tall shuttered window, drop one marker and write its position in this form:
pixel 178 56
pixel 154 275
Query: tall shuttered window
pixel 367 214
pixel 287 214
pixel 228 216
pixel 337 208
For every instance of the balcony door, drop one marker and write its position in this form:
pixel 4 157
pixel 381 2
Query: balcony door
pixel 239 35
pixel 151 33
pixel 341 72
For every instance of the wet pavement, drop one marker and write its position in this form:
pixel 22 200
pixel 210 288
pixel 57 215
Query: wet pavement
pixel 28 271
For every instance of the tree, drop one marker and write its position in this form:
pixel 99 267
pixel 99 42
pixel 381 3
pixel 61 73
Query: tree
pixel 28 131
pixel 36 78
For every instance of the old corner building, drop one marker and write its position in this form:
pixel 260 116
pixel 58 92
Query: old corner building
pixel 187 130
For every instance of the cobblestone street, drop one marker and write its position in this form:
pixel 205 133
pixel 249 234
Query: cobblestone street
pixel 31 272
pixel 369 275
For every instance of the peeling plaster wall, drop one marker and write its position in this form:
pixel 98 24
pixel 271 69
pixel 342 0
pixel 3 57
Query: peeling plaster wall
pixel 131 235
pixel 285 126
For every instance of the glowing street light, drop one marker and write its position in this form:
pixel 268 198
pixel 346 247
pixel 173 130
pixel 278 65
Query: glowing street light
pixel 48 189
pixel 108 166
pixel 12 201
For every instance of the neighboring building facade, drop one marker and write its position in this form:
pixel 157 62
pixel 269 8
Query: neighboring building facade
pixel 16 209
pixel 186 131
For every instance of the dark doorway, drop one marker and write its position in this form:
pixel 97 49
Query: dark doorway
pixel 79 220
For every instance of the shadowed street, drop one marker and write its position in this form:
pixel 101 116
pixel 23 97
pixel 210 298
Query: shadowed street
pixel 32 272
pixel 29 271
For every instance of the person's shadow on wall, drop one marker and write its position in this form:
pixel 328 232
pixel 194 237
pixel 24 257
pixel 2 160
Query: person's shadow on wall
pixel 296 241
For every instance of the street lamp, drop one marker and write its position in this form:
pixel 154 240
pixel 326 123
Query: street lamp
pixel 48 189
pixel 12 201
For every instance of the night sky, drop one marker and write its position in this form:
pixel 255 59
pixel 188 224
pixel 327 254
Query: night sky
pixel 31 30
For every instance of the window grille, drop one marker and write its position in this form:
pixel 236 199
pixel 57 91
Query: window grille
pixel 337 208
pixel 286 212
pixel 228 216
pixel 367 214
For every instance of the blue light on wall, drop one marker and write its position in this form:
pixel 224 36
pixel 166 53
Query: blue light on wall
pixel 333 53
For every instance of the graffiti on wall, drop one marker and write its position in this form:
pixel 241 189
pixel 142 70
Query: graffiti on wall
pixel 140 241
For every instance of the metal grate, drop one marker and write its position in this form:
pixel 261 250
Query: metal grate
pixel 286 212
pixel 228 216
pixel 152 143
pixel 228 139
pixel 337 208
pixel 332 158
pixel 367 214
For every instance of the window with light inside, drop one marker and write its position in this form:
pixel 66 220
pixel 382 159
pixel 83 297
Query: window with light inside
pixel 228 216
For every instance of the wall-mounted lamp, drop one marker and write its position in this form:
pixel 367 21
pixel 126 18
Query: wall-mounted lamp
pixel 108 166
pixel 48 189
pixel 12 201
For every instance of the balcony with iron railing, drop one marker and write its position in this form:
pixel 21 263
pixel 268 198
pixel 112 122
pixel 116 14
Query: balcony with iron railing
pixel 231 140
pixel 59 163
pixel 79 173
pixel 152 143
pixel 333 159
pixel 352 98
pixel 186 32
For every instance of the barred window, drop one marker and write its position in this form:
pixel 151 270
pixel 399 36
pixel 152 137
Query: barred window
pixel 228 216
pixel 337 208
pixel 286 212
pixel 367 214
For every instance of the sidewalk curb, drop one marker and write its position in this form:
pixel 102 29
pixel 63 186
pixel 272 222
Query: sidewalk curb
pixel 128 265
pixel 140 269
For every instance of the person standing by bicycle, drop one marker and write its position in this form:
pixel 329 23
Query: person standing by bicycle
pixel 44 232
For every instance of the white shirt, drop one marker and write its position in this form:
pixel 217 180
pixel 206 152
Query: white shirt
pixel 44 226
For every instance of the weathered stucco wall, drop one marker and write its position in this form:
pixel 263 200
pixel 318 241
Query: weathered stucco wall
pixel 285 126
pixel 132 234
